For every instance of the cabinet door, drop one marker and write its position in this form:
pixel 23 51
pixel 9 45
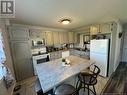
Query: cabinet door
pixel 37 33
pixel 56 38
pixel 76 38
pixel 22 59
pixel 105 28
pixel 94 29
pixel 49 38
pixel 61 37
pixel 65 37
pixel 18 33
pixel 71 37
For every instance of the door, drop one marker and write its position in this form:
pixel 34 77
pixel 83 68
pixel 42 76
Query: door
pixel 71 37
pixel 61 37
pixel 124 55
pixel 94 29
pixel 105 28
pixel 21 58
pixel 56 38
pixel 18 33
pixel 65 37
pixel 99 54
pixel 49 38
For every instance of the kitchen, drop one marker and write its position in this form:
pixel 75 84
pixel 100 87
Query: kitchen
pixel 33 46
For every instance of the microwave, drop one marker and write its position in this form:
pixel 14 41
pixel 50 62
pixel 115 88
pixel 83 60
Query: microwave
pixel 38 42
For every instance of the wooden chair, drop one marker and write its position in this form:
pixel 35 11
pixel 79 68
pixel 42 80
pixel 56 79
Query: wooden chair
pixel 87 79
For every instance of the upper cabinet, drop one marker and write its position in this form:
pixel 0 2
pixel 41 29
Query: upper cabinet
pixel 103 28
pixel 94 29
pixel 65 37
pixel 71 37
pixel 18 33
pixel 37 33
pixel 76 38
pixel 56 38
pixel 49 38
pixel 61 37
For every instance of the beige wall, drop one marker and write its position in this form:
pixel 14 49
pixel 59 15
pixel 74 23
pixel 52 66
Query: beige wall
pixel 6 44
pixel 118 46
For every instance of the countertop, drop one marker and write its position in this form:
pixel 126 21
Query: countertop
pixel 52 73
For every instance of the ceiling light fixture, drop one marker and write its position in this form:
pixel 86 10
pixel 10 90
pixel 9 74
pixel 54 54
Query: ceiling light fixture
pixel 65 21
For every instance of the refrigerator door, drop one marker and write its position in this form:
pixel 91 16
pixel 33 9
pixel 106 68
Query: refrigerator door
pixel 99 54
pixel 99 46
pixel 101 61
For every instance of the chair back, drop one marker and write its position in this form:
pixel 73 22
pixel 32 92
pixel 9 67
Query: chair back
pixel 89 78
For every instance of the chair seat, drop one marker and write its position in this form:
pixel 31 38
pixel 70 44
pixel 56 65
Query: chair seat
pixel 65 89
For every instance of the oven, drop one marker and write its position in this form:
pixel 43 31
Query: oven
pixel 40 59
pixel 39 56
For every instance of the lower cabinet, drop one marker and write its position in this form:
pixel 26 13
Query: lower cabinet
pixel 55 55
pixel 21 59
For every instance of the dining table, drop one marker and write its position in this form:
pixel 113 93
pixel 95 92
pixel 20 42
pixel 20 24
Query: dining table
pixel 53 73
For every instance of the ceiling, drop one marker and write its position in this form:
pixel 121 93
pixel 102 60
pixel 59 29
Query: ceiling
pixel 47 13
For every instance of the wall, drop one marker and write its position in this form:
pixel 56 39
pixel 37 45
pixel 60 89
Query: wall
pixel 124 46
pixel 118 46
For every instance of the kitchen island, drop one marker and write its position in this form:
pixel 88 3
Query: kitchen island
pixel 52 73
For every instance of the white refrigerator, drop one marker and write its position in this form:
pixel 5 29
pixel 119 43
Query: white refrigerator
pixel 99 52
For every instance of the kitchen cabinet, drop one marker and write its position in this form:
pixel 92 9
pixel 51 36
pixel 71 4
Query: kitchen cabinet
pixel 21 59
pixel 61 37
pixel 76 38
pixel 37 33
pixel 20 51
pixel 65 37
pixel 71 37
pixel 105 28
pixel 56 38
pixel 18 33
pixel 49 38
pixel 94 29
pixel 55 55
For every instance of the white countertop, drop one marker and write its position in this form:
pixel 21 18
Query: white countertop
pixel 52 73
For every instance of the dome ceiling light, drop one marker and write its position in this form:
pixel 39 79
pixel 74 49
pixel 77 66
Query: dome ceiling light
pixel 65 21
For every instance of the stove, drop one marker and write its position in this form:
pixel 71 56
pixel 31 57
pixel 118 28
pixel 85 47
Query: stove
pixel 39 56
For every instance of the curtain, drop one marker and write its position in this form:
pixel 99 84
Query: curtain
pixel 2 53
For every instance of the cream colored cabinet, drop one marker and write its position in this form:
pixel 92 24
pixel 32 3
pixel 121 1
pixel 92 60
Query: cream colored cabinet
pixel 76 38
pixel 105 28
pixel 56 38
pixel 21 59
pixel 49 38
pixel 37 33
pixel 65 37
pixel 18 33
pixel 71 37
pixel 102 28
pixel 61 37
pixel 94 29
pixel 20 51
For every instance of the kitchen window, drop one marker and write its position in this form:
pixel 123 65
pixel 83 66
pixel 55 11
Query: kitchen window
pixel 2 57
